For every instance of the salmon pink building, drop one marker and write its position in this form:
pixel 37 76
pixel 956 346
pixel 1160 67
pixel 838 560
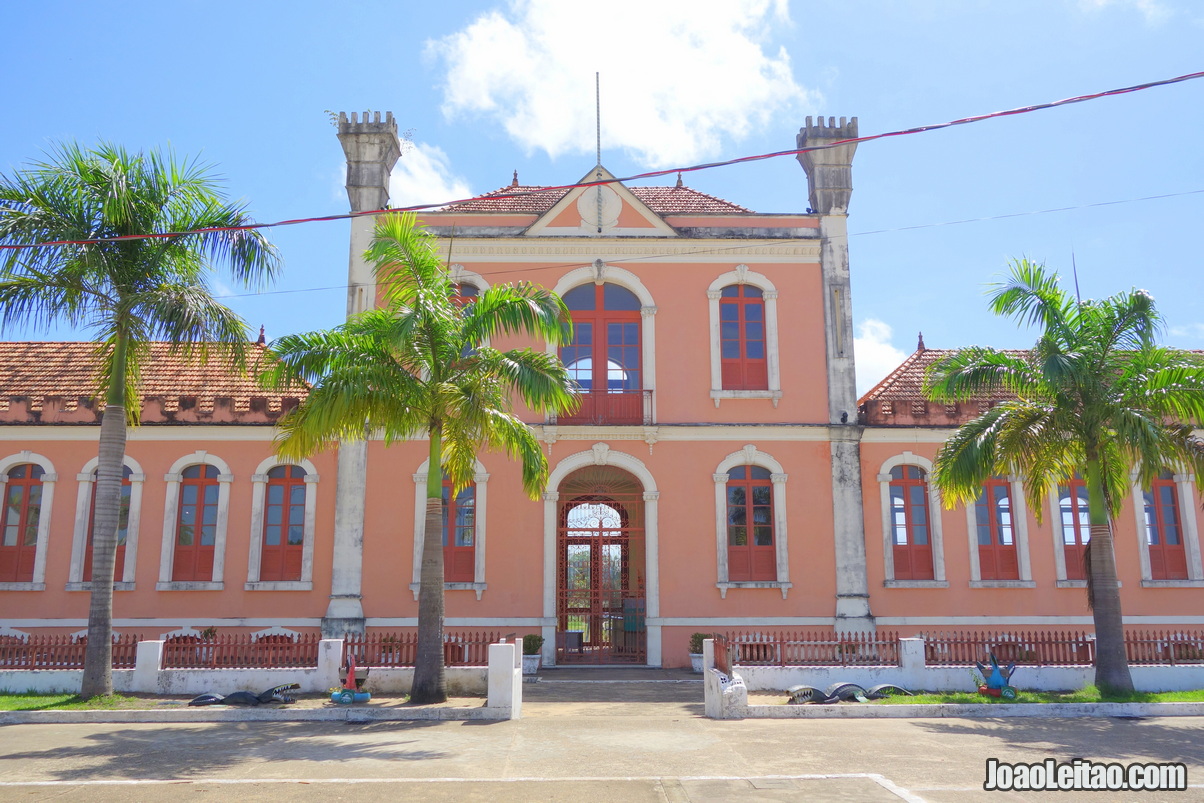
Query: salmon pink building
pixel 720 473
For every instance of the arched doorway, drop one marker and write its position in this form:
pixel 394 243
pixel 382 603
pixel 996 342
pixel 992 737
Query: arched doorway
pixel 600 566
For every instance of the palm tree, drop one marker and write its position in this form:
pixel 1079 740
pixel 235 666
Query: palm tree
pixel 128 292
pixel 419 368
pixel 1097 395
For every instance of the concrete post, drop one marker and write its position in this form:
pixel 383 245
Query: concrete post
pixel 911 661
pixel 372 149
pixel 505 678
pixel 830 183
pixel 148 659
pixel 330 663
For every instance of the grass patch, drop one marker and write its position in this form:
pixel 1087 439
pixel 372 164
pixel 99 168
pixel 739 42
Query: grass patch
pixel 69 702
pixel 1088 694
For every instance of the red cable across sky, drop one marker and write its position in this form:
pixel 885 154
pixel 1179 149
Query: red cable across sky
pixel 637 176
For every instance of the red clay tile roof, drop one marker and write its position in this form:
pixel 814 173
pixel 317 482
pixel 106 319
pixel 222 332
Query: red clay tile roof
pixel 906 382
pixel 38 370
pixel 523 200
pixel 685 201
pixel 531 200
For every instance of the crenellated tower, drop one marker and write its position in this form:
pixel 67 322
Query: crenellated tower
pixel 829 170
pixel 372 149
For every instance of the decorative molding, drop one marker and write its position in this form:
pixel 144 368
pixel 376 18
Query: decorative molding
pixel 527 250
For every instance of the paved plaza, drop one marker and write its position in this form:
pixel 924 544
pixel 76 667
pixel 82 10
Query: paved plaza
pixel 583 741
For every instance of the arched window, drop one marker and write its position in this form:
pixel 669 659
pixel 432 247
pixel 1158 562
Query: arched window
pixel 196 525
pixel 751 555
pixel 463 532
pixel 283 525
pixel 993 516
pixel 604 356
pixel 911 535
pixel 742 338
pixel 1076 526
pixel 22 516
pixel 464 293
pixel 123 527
pixel 750 522
pixel 284 505
pixel 1164 535
pixel 459 533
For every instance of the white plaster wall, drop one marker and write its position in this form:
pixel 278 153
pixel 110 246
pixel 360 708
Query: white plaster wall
pixel 958 678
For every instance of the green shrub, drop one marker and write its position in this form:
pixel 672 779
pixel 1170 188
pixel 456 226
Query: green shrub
pixel 696 642
pixel 532 644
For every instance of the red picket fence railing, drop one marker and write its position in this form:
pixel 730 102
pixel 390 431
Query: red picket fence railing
pixel 1166 647
pixel 1029 648
pixel 61 652
pixel 401 649
pixel 241 651
pixel 814 648
pixel 723 653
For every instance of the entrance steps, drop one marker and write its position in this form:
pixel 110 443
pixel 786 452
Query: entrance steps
pixel 627 690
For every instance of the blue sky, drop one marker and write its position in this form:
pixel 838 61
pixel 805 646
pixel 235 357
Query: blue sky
pixel 491 87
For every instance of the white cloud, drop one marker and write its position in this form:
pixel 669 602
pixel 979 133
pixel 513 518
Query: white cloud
pixel 1191 330
pixel 1155 12
pixel 678 77
pixel 876 356
pixel 424 176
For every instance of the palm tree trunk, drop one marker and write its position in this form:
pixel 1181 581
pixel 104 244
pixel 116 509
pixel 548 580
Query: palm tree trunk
pixel 98 656
pixel 1103 592
pixel 430 683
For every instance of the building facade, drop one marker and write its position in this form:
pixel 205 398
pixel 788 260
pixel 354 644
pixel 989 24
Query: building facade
pixel 720 473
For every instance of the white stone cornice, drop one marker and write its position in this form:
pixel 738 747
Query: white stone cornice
pixel 717 250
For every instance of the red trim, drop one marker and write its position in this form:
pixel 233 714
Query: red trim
pixel 613 336
pixel 281 561
pixel 739 318
pixel 196 521
pixel 1168 558
pixel 1079 530
pixel 459 561
pixel 750 521
pixel 997 559
pixel 122 526
pixel 19 528
pixel 911 537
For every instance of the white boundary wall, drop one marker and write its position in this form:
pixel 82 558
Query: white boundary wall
pixel 727 697
pixel 501 681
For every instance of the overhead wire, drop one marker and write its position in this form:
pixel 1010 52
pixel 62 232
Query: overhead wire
pixel 762 243
pixel 635 177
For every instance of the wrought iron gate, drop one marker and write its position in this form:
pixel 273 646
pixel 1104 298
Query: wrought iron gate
pixel 600 589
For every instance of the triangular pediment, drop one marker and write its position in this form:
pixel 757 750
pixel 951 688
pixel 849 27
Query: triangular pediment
pixel 606 210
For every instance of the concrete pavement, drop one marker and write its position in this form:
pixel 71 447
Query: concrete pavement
pixel 580 740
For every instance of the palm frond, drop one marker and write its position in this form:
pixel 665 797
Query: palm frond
pixel 522 308
pixel 1032 295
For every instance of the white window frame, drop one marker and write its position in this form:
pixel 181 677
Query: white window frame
pixel 83 513
pixel 171 511
pixel 259 486
pixel 462 275
pixel 481 480
pixel 1059 546
pixel 935 529
pixel 1190 533
pixel 1019 513
pixel 750 455
pixel 49 478
pixel 740 276
pixel 601 273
